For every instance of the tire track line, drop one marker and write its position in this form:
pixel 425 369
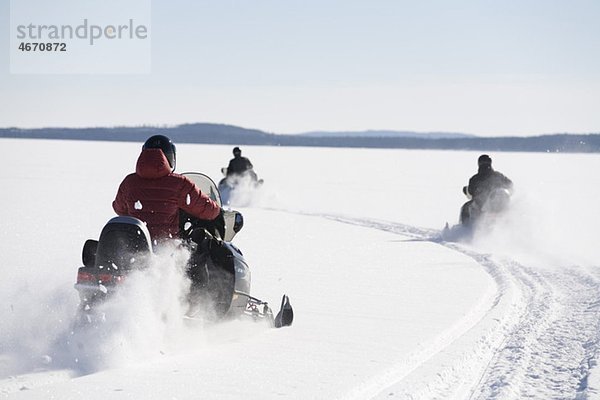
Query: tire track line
pixel 544 347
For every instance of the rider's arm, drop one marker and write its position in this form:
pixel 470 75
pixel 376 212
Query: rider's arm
pixel 196 203
pixel 120 202
pixel 508 184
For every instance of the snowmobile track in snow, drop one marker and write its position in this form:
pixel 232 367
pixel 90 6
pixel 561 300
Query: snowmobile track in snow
pixel 539 338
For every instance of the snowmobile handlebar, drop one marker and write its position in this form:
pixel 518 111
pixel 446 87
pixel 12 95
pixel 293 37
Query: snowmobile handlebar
pixel 224 227
pixel 190 225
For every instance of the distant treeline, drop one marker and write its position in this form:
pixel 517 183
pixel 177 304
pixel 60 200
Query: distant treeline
pixel 233 135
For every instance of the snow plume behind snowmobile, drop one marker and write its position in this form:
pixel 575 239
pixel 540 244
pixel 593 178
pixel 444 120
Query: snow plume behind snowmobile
pixel 124 247
pixel 131 315
pixel 478 217
pixel 239 189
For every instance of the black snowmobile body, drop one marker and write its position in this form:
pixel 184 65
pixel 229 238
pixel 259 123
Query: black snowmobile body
pixel 125 245
pixel 478 215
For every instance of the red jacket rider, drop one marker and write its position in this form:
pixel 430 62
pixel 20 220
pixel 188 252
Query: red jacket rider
pixel 155 194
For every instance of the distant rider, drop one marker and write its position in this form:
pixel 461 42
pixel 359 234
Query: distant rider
pixel 239 165
pixel 481 186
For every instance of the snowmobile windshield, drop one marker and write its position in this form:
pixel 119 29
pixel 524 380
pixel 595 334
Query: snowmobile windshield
pixel 206 185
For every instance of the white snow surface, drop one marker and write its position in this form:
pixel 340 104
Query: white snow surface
pixel 383 308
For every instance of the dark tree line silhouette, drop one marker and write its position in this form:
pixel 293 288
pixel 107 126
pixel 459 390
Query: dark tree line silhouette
pixel 233 135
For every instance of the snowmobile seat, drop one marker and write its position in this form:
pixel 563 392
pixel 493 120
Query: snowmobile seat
pixel 124 244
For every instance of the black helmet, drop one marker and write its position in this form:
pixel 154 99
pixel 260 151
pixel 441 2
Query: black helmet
pixel 164 143
pixel 484 160
pixel 236 151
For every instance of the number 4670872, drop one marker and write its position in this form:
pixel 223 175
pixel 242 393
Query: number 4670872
pixel 43 46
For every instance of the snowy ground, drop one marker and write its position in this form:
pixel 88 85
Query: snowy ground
pixel 384 309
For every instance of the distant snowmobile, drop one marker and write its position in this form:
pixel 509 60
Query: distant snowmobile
pixel 238 189
pixel 125 246
pixel 478 215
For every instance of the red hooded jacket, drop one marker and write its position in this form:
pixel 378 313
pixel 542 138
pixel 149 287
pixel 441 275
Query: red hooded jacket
pixel 154 194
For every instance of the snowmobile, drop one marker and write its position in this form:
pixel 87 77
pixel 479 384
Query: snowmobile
pixel 476 215
pixel 238 188
pixel 125 245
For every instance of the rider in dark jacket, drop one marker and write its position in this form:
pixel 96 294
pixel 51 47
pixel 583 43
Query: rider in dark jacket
pixel 238 164
pixel 240 167
pixel 486 180
pixel 481 185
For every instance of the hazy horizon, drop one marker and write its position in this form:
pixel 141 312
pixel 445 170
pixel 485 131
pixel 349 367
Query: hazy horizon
pixel 305 133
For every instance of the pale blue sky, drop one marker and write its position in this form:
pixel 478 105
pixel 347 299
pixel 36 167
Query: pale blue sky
pixel 511 67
